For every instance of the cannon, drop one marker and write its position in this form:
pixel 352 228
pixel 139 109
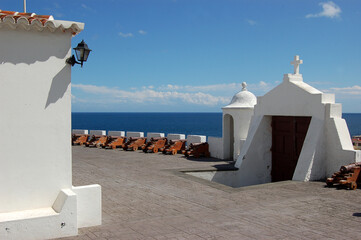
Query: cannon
pixel 348 176
pixel 99 142
pixel 174 147
pixel 80 139
pixel 197 150
pixel 114 142
pixel 154 144
pixel 133 143
pixel 92 140
pixel 74 137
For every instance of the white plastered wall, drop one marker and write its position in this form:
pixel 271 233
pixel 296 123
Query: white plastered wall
pixel 35 101
pixel 327 145
pixel 36 196
pixel 236 122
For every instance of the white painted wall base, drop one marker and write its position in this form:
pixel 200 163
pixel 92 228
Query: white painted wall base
pixel 216 147
pixel 176 136
pixel 116 133
pixel 80 131
pixel 154 135
pixel 135 134
pixel 89 202
pixel 98 132
pixel 196 139
pixel 60 220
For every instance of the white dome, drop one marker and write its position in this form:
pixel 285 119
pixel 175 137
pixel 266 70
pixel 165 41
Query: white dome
pixel 243 99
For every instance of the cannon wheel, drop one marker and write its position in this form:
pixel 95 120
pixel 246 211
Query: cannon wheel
pixel 174 152
pixel 353 185
pixel 155 150
pixel 135 148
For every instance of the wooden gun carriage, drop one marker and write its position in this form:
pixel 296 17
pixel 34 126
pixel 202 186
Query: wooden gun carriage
pixel 348 176
pixel 80 139
pixel 92 140
pixel 133 143
pixel 197 150
pixel 99 142
pixel 174 146
pixel 114 142
pixel 154 144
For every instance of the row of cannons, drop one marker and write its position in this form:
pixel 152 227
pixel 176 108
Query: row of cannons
pixel 153 143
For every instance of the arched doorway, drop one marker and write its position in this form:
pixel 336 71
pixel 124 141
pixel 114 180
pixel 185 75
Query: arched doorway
pixel 228 126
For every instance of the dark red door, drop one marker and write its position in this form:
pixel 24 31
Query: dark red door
pixel 288 135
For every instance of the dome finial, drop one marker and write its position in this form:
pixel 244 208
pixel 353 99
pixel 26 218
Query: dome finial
pixel 244 86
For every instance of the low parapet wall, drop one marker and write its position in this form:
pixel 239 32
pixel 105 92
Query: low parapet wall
pixel 215 143
pixel 216 147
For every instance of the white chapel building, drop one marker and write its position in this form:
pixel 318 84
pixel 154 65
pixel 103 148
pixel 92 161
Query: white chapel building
pixel 293 132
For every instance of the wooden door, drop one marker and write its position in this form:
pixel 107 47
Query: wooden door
pixel 288 135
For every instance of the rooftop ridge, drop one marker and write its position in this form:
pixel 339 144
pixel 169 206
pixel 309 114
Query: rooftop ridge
pixel 29 21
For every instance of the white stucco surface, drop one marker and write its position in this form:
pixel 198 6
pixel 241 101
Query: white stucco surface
pixel 36 104
pixel 175 136
pixel 154 135
pixel 196 139
pixel 327 145
pixel 135 134
pixel 80 131
pixel 216 147
pixel 236 120
pixel 89 202
pixel 98 132
pixel 57 220
pixel 36 197
pixel 116 133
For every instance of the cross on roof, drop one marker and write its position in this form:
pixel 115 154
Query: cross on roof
pixel 296 62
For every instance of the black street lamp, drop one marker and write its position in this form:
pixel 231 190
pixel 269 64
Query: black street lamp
pixel 82 52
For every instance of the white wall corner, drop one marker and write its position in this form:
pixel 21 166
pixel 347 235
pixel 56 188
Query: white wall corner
pixel 57 221
pixel 358 155
pixel 216 147
pixel 89 201
pixel 255 122
pixel 308 157
pixel 328 98
pixel 339 147
pixel 333 110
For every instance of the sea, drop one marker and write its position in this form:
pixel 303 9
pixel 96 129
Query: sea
pixel 208 124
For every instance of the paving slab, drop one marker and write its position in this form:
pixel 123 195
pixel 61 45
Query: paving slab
pixel 147 196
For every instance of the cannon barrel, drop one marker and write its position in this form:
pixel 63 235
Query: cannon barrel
pixel 348 168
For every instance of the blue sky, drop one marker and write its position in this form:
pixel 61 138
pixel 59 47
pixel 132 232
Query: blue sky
pixel 193 55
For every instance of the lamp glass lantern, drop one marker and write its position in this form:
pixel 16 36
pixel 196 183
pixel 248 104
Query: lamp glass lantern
pixel 82 52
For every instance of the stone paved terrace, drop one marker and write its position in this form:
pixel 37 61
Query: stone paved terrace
pixel 145 198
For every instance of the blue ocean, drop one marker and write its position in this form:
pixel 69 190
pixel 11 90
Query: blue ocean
pixel 209 124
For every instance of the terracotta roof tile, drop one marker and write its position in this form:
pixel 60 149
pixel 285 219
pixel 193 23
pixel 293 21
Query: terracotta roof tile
pixel 29 16
pixel 38 22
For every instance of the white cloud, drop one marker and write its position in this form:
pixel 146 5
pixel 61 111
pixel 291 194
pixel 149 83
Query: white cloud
pixel 251 22
pixel 125 35
pixel 225 87
pixel 351 91
pixel 142 32
pixel 329 10
pixel 147 94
